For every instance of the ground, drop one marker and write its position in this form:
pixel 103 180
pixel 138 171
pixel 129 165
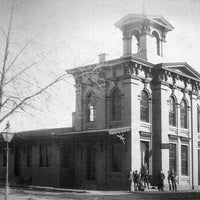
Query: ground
pixel 30 194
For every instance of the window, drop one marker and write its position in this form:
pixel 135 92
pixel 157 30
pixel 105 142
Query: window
pixel 116 104
pixel 172 112
pixel 184 160
pixel 198 119
pixel 91 108
pixel 183 114
pixel 144 107
pixel 45 155
pixel 29 156
pixel 116 160
pixel 172 156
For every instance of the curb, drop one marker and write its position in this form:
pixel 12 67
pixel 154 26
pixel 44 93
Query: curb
pixel 43 188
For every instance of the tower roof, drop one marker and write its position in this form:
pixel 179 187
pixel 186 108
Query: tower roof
pixel 138 18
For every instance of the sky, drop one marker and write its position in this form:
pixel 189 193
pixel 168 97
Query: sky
pixel 77 31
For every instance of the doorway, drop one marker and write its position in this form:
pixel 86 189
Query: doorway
pixel 91 162
pixel 17 162
pixel 144 150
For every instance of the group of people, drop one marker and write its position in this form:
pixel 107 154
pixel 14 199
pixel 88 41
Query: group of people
pixel 171 180
pixel 141 179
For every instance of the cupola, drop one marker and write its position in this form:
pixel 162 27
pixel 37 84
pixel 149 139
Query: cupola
pixel 144 36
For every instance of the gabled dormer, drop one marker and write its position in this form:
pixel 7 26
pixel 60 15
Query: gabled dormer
pixel 144 36
pixel 181 69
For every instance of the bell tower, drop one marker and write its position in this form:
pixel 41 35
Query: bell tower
pixel 144 36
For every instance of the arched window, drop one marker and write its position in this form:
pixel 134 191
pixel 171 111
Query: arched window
pixel 135 41
pixel 157 42
pixel 116 104
pixel 134 45
pixel 183 115
pixel 144 107
pixel 172 112
pixel 91 108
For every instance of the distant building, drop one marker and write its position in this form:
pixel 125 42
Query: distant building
pixel 130 111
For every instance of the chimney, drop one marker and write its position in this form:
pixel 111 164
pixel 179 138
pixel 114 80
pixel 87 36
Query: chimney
pixel 102 57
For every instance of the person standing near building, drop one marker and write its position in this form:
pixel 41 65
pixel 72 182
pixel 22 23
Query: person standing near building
pixel 169 178
pixel 130 180
pixel 173 180
pixel 146 179
pixel 136 179
pixel 161 178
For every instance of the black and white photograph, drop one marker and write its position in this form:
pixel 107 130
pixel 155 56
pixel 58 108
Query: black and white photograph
pixel 99 99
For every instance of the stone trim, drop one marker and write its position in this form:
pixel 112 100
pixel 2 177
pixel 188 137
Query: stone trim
pixel 173 137
pixel 145 134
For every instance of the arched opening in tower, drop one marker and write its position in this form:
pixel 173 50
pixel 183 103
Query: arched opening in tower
pixel 156 43
pixel 135 42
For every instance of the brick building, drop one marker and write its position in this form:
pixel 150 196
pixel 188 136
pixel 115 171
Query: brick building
pixel 134 110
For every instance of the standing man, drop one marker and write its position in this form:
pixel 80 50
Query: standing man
pixel 136 180
pixel 173 180
pixel 169 178
pixel 161 178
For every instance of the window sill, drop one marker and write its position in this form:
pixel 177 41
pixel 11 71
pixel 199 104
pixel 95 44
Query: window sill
pixel 184 178
pixel 145 123
pixel 173 129
pixel 90 125
pixel 185 131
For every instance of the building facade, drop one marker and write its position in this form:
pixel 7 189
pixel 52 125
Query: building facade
pixel 132 111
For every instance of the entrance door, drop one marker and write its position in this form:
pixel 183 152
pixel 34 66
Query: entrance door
pixel 144 149
pixel 68 165
pixel 91 162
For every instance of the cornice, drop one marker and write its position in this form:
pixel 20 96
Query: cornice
pixel 161 75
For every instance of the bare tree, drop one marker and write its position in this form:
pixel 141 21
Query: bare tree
pixel 19 73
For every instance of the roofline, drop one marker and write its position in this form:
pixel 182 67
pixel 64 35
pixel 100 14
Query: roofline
pixel 36 133
pixel 155 16
pixel 50 130
pixel 120 23
pixel 180 64
pixel 110 63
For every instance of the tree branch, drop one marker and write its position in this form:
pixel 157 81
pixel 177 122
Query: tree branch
pixel 32 96
pixel 5 57
pixel 18 54
pixel 2 30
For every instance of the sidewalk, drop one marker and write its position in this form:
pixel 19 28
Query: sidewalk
pixel 50 193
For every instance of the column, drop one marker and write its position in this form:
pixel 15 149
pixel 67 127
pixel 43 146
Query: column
pixel 127 46
pixel 194 143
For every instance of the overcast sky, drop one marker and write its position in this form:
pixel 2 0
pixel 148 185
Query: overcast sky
pixel 79 30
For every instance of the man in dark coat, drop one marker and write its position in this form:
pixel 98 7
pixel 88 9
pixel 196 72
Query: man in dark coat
pixel 173 180
pixel 161 178
pixel 136 180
